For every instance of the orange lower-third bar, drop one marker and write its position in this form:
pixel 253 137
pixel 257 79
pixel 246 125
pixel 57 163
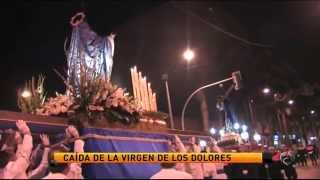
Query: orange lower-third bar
pixel 93 157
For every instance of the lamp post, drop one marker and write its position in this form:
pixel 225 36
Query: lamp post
pixel 199 89
pixel 165 79
pixel 252 119
pixel 236 78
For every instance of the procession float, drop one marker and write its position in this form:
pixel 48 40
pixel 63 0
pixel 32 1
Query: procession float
pixel 108 117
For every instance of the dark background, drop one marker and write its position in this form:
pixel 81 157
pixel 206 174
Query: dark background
pixel 153 34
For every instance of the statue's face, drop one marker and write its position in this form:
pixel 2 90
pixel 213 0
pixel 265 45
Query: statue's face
pixel 113 35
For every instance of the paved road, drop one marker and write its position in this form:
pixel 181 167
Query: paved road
pixel 308 172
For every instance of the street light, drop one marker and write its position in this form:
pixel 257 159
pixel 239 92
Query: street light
pixel 290 102
pixel 26 94
pixel 212 131
pixel 221 132
pixel 257 137
pixel 236 126
pixel 204 87
pixel 203 143
pixel 188 55
pixel 244 127
pixel 313 138
pixel 266 90
pixel 244 135
pixel 312 111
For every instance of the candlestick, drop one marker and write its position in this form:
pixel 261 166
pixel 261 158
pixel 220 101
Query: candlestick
pixel 133 83
pixel 141 90
pixel 155 102
pixel 150 97
pixel 136 82
pixel 145 95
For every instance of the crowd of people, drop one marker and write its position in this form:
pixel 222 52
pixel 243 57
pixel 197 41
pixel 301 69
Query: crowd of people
pixel 287 159
pixel 192 170
pixel 18 159
pixel 17 155
pixel 283 165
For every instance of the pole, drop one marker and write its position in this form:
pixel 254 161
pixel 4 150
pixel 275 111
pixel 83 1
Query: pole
pixel 169 105
pixel 165 78
pixel 251 113
pixel 199 89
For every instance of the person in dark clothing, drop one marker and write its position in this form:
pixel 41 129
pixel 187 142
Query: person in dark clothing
pixel 287 163
pixel 242 171
pixel 304 156
pixel 275 170
pixel 263 171
pixel 275 167
pixel 316 150
pixel 298 158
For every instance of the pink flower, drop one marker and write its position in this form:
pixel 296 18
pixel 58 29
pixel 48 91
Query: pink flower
pixel 118 93
pixel 95 108
pixel 63 109
pixel 114 103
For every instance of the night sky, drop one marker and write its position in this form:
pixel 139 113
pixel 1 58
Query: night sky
pixel 153 34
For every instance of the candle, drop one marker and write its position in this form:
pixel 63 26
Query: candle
pixel 150 97
pixel 136 82
pixel 141 90
pixel 133 83
pixel 145 93
pixel 155 102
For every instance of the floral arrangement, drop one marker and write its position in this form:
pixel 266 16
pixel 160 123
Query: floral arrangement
pixel 99 100
pixel 94 98
pixel 90 100
pixel 61 104
pixel 32 96
pixel 230 139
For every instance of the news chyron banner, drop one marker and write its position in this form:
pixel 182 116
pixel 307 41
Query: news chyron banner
pixel 92 157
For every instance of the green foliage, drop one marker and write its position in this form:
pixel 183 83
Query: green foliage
pixel 32 96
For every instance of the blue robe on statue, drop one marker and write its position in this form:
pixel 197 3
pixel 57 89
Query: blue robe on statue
pixel 229 115
pixel 90 52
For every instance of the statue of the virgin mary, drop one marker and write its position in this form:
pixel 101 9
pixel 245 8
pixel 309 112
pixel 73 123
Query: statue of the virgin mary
pixel 87 50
